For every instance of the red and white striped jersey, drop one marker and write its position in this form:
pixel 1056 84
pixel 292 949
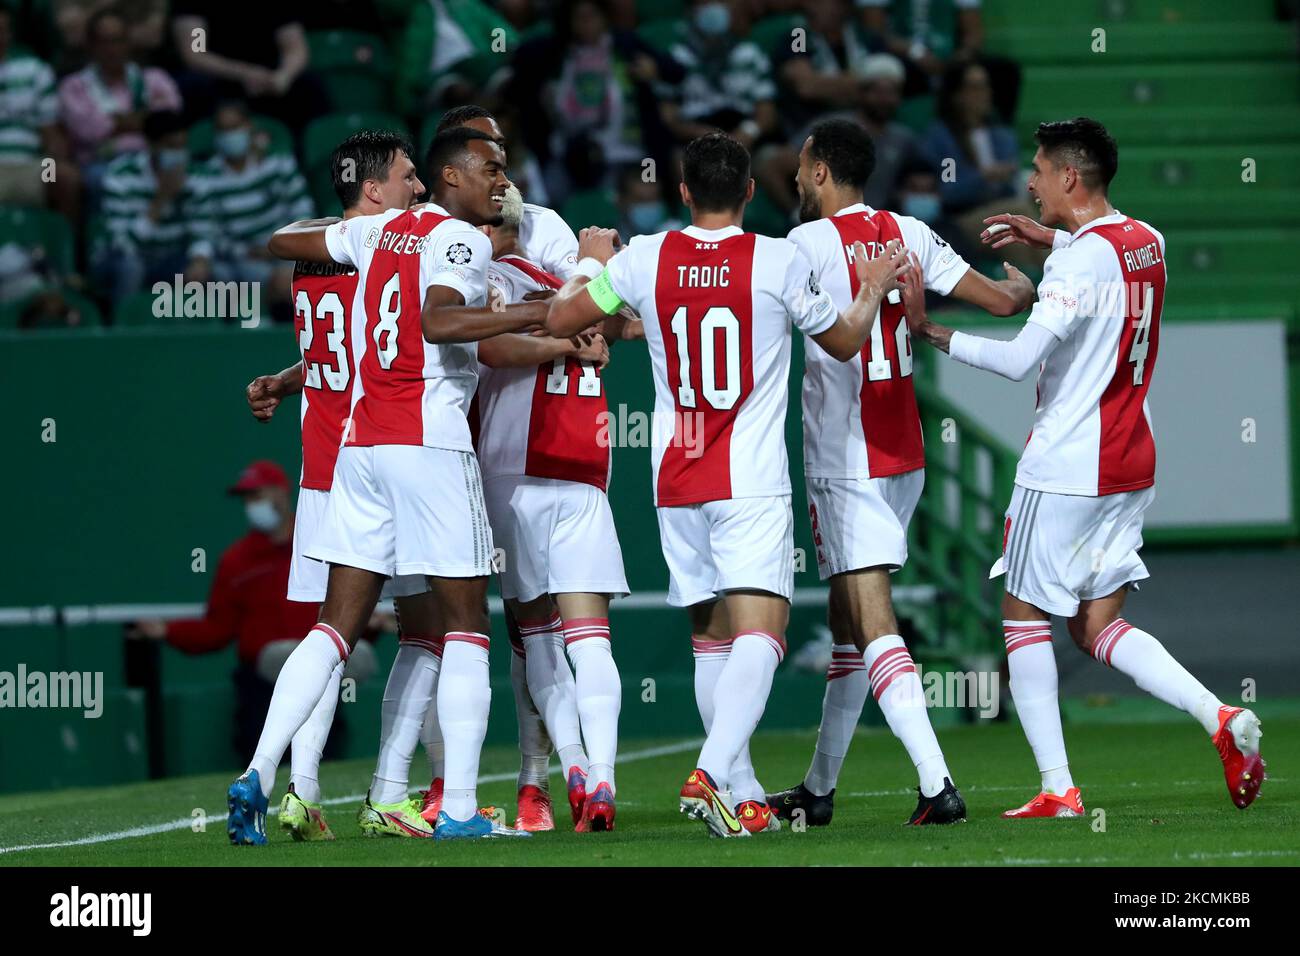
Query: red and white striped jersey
pixel 408 391
pixel 718 307
pixel 545 422
pixel 324 298
pixel 548 241
pixel 859 417
pixel 1101 295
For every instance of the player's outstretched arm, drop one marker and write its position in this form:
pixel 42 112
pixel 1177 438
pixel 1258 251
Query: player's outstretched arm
pixel 265 391
pixel 876 279
pixel 447 319
pixel 1008 229
pixel 302 241
pixel 514 350
pixel 1013 360
pixel 584 300
pixel 1009 296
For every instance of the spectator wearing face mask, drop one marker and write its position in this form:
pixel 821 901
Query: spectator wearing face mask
pixel 641 206
pixel 246 194
pixel 247 604
pixel 153 227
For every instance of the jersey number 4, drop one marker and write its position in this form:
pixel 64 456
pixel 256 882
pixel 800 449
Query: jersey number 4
pixel 1137 353
pixel 716 319
pixel 329 311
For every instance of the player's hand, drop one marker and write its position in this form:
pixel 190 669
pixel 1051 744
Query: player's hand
pixel 1020 286
pixel 153 629
pixel 263 394
pixel 592 348
pixel 600 244
pixel 881 274
pixel 913 288
pixel 1006 229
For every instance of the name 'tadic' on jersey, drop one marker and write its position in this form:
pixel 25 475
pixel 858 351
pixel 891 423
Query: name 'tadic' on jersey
pixel 1102 296
pixel 718 307
pixel 324 298
pixel 408 391
pixel 859 417
pixel 544 422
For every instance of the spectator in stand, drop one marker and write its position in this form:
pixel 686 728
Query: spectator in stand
pixel 930 35
pixel 247 604
pixel 262 57
pixel 978 159
pixel 246 195
pixel 144 21
pixel 154 227
pixel 35 167
pixel 104 105
pixel 446 55
pixel 586 98
pixel 641 207
pixel 728 83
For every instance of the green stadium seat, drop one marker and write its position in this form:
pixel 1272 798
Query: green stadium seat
pixel 136 310
pixel 41 229
pixel 774 30
pixel 274 134
pixel 1169 13
pixel 1231 251
pixel 765 217
pixel 1176 127
pixel 326 132
pixel 592 207
pixel 1046 90
pixel 916 113
pixel 661 34
pixel 1128 43
pixel 648 11
pixel 355 67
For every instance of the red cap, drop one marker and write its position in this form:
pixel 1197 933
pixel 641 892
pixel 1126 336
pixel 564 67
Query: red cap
pixel 260 474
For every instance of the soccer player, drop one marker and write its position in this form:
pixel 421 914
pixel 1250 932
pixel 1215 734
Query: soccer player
pixel 546 239
pixel 1087 474
pixel 382 176
pixel 718 304
pixel 407 494
pixel 864 461
pixel 541 405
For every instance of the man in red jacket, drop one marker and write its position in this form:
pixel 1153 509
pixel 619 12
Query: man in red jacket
pixel 247 603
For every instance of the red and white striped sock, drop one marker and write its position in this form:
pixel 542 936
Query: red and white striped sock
pixel 1031 662
pixel 309 742
pixel 600 692
pixel 303 679
pixel 1136 653
pixel 430 732
pixel 739 698
pixel 847 686
pixel 554 695
pixel 464 697
pixel 897 689
pixel 408 695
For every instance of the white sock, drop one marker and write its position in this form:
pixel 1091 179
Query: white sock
pixel 599 691
pixel 303 679
pixel 430 732
pixel 1139 655
pixel 464 697
pixel 897 689
pixel 847 685
pixel 534 742
pixel 407 698
pixel 739 698
pixel 1031 663
pixel 554 693
pixel 309 741
pixel 710 658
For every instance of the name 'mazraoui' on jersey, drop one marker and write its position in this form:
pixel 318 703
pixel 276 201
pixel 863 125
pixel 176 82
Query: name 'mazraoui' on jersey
pixel 859 417
pixel 324 299
pixel 1101 295
pixel 406 390
pixel 718 307
pixel 546 421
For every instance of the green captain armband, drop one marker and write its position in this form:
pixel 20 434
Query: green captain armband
pixel 603 294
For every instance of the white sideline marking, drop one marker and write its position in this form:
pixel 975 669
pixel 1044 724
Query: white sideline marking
pixel 184 824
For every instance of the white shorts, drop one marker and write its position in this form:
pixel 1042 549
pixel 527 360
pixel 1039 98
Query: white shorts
pixel 556 537
pixel 862 522
pixel 729 545
pixel 406 510
pixel 307 578
pixel 1063 549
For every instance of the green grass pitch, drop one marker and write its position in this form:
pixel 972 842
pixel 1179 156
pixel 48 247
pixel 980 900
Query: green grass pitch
pixel 1160 787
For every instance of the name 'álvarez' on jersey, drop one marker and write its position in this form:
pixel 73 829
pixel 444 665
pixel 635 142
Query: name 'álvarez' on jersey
pixel 323 301
pixel 547 422
pixel 1104 292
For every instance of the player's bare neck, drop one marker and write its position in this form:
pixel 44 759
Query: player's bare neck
pixel 1085 211
pixel 717 220
pixel 833 200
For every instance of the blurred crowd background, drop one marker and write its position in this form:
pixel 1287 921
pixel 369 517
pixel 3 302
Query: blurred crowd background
pixel 144 139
